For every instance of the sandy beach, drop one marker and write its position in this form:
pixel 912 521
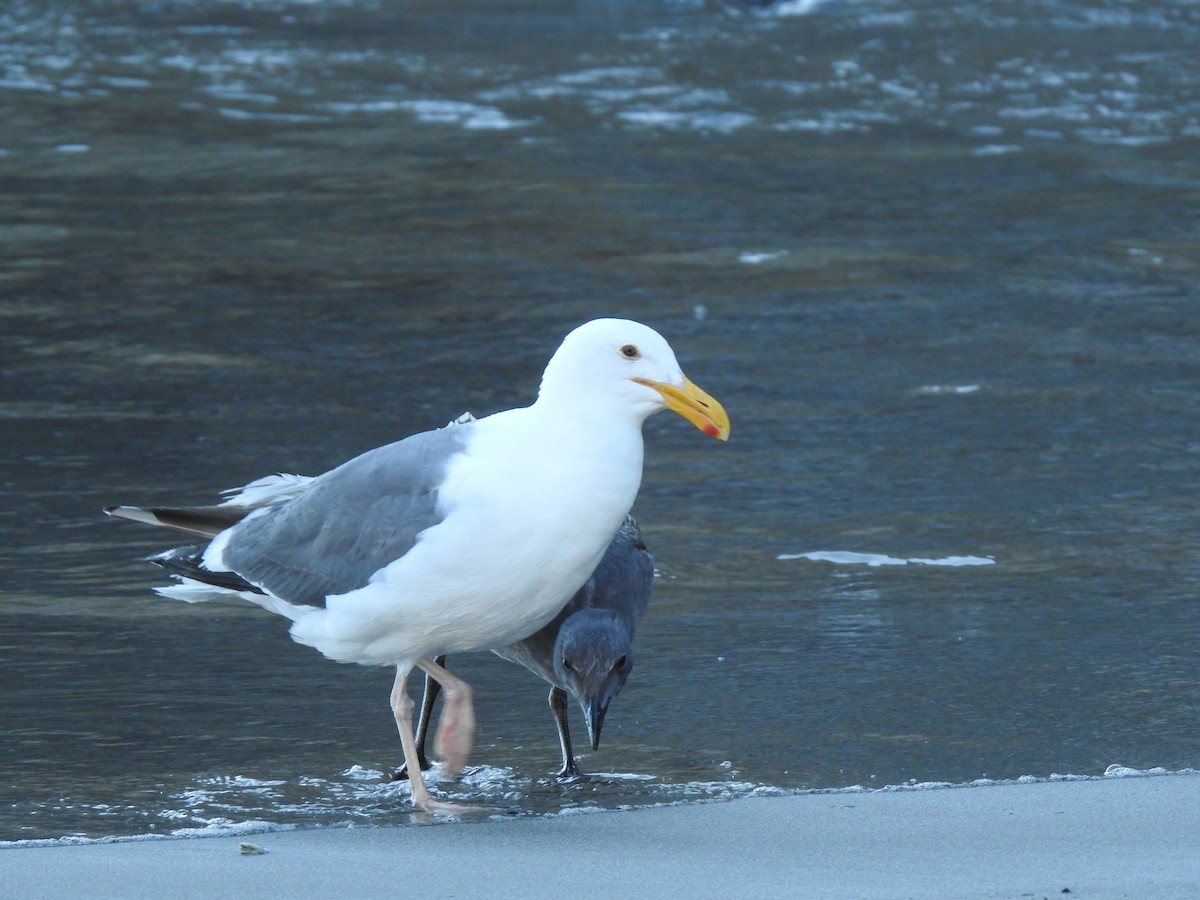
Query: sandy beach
pixel 1129 837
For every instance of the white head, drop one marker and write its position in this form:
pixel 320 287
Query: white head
pixel 617 361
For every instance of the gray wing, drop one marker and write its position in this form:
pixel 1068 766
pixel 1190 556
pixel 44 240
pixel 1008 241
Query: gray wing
pixel 623 580
pixel 349 523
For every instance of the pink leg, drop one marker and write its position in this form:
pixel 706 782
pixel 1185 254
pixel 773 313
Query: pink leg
pixel 456 727
pixel 402 708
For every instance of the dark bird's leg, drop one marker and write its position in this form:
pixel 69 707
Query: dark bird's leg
pixel 432 689
pixel 558 706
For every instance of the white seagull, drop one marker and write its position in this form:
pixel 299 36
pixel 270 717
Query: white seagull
pixel 470 537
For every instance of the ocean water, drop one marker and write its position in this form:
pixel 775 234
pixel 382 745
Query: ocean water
pixel 939 261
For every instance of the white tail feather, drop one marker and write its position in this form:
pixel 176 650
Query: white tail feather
pixel 197 592
pixel 134 514
pixel 265 491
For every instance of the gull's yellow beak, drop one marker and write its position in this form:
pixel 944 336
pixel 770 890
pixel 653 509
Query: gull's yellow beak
pixel 694 405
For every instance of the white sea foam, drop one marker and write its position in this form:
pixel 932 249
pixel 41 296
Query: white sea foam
pixel 1116 770
pixel 852 558
pixel 753 259
pixel 610 74
pixel 213 828
pixel 787 8
pixel 471 116
pixel 367 106
pixel 718 121
pixel 229 827
pixel 125 83
pixel 827 124
pixel 230 112
pixel 947 389
pixel 996 149
pixel 598 89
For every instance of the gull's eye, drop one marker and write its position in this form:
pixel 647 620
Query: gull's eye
pixel 566 664
pixel 620 664
pixel 629 351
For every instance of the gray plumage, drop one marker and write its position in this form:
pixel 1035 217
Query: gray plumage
pixel 391 495
pixel 295 546
pixel 586 651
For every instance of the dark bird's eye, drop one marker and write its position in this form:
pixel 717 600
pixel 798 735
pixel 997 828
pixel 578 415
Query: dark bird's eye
pixel 629 351
pixel 619 664
pixel 567 665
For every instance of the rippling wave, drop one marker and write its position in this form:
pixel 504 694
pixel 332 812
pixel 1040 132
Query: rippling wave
pixel 1003 75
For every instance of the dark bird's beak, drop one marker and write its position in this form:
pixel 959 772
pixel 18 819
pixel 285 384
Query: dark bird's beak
pixel 595 710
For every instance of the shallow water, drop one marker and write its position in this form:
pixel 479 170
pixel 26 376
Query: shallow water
pixel 938 260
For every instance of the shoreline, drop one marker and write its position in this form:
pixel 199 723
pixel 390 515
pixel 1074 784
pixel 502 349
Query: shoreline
pixel 1132 836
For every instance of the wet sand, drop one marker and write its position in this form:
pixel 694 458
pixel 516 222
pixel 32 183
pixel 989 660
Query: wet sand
pixel 1114 837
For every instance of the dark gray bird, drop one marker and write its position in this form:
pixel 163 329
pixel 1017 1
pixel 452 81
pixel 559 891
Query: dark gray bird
pixel 586 651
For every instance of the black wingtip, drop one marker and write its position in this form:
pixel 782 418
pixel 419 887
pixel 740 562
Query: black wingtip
pixel 188 562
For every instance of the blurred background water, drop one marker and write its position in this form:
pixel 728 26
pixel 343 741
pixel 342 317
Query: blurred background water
pixel 938 259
